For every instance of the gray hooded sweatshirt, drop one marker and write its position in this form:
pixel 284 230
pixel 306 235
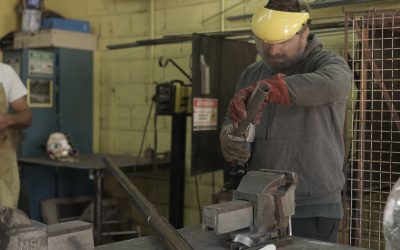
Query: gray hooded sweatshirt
pixel 306 137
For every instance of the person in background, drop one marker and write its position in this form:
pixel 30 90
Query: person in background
pixel 301 122
pixel 15 114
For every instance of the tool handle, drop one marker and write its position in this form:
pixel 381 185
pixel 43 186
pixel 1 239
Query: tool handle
pixel 255 100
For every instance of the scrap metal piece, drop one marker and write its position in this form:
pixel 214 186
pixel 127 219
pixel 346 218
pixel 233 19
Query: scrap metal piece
pixel 205 76
pixel 391 218
pixel 244 240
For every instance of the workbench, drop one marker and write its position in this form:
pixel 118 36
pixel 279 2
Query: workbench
pixel 95 165
pixel 209 241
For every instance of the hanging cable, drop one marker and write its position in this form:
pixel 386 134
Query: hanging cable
pixel 143 137
pixel 155 165
pixel 196 184
pixel 163 62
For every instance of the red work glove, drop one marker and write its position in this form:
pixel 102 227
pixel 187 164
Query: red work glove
pixel 278 93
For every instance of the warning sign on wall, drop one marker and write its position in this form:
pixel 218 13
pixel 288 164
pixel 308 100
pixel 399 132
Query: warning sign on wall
pixel 205 113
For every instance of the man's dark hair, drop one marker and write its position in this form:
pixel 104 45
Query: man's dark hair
pixel 287 5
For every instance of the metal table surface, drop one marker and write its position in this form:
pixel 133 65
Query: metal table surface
pixel 92 161
pixel 210 241
pixel 95 164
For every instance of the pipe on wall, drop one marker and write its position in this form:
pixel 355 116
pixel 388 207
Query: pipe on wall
pixel 222 17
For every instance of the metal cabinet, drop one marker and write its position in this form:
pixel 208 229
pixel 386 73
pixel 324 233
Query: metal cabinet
pixel 60 86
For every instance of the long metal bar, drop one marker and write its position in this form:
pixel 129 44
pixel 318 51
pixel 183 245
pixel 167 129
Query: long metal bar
pixel 98 211
pixel 360 164
pixel 188 37
pixel 331 3
pixel 166 233
pixel 345 219
pixel 382 11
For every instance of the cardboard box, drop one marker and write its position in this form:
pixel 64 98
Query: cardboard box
pixel 55 38
pixel 66 24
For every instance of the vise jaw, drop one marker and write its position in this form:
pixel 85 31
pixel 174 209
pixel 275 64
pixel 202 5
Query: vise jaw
pixel 260 209
pixel 18 232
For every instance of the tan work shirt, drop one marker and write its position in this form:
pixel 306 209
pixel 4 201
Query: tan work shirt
pixel 9 176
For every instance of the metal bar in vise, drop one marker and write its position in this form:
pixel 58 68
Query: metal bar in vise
pixel 166 233
pixel 255 100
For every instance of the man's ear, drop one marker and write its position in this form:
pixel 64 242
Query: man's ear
pixel 304 35
pixel 306 32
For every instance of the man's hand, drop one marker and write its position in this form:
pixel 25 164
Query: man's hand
pixel 233 150
pixel 278 93
pixel 5 120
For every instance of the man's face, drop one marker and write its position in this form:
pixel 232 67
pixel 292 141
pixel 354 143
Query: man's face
pixel 281 56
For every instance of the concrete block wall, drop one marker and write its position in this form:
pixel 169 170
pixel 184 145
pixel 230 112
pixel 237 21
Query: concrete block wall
pixel 124 83
pixel 9 21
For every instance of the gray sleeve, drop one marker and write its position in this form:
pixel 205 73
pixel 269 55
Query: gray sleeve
pixel 329 81
pixel 243 80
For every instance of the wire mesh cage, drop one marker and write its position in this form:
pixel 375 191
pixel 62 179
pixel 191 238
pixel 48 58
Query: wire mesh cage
pixel 372 48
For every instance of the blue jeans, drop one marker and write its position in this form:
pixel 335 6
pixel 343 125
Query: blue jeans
pixel 318 228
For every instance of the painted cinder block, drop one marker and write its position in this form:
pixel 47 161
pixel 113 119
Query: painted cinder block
pixel 112 121
pixel 123 6
pixel 116 121
pixel 123 94
pixel 138 120
pixel 191 216
pixel 182 3
pixel 140 71
pixel 130 94
pixel 122 25
pixel 136 54
pixel 211 16
pixel 177 50
pixel 140 24
pixel 70 9
pixel 98 7
pixel 177 22
pixel 116 71
pixel 164 141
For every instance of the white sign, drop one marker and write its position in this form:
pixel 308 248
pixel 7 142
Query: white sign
pixel 205 114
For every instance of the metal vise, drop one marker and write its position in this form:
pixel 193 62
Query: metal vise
pixel 259 211
pixel 17 231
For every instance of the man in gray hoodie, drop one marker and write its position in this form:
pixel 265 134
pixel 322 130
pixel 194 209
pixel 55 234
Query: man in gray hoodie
pixel 300 126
